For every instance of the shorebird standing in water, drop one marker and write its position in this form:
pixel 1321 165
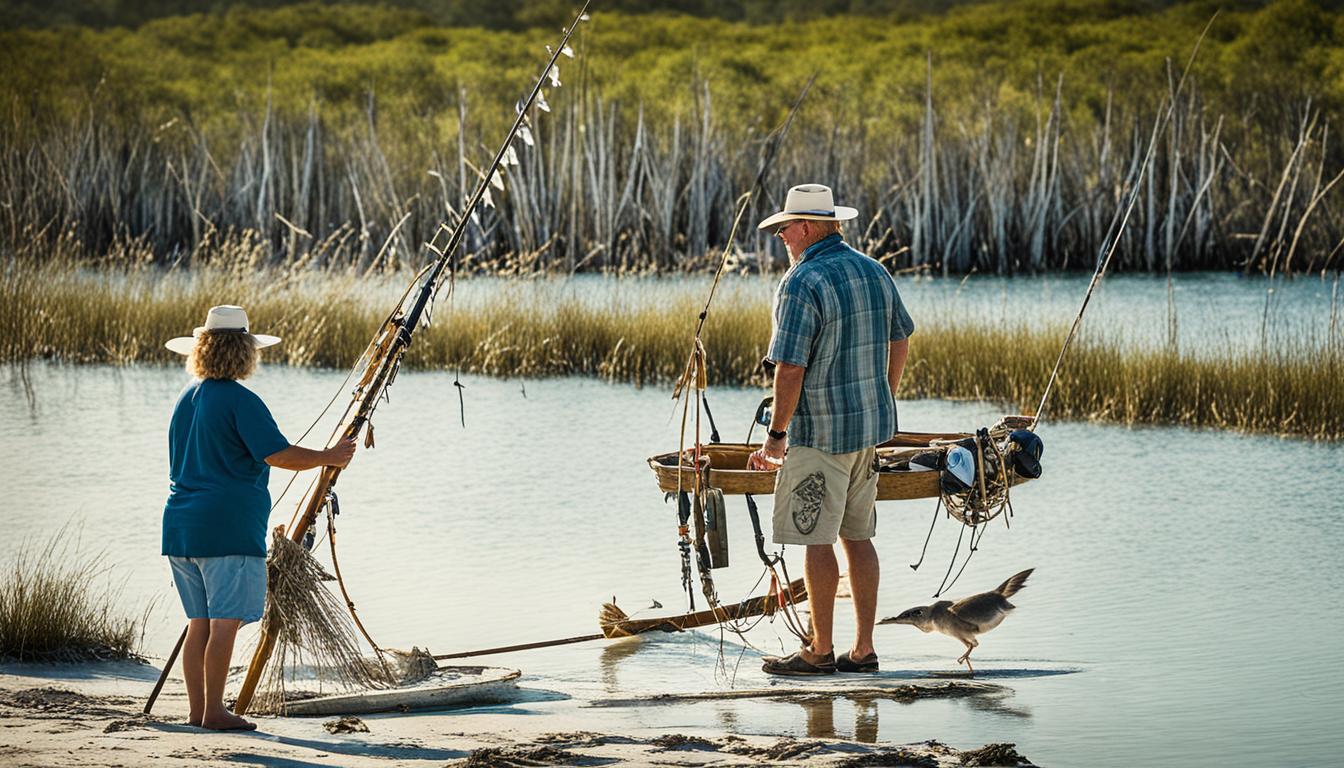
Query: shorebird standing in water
pixel 967 618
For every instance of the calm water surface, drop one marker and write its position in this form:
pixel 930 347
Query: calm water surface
pixel 1185 608
pixel 1203 312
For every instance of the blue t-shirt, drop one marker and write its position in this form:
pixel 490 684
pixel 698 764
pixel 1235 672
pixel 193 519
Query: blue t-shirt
pixel 218 441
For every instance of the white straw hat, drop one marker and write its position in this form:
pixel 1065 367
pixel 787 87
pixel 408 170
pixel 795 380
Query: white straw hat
pixel 813 202
pixel 225 318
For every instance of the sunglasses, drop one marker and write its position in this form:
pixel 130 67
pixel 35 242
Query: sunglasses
pixel 780 229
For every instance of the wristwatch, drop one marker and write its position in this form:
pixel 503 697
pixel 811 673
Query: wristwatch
pixel 780 435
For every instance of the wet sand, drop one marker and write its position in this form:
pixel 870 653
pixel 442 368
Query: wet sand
pixel 90 714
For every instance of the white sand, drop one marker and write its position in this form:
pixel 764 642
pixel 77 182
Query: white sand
pixel 89 714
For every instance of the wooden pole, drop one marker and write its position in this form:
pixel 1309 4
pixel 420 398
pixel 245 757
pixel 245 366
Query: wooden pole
pixel 395 337
pixel 753 607
pixel 520 647
pixel 266 644
pixel 167 667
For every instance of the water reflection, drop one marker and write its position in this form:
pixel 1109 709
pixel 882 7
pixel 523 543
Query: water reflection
pixel 820 709
pixel 613 654
pixel 820 718
pixel 21 385
pixel 728 720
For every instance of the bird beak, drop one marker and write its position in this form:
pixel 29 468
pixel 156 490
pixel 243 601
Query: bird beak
pixel 894 620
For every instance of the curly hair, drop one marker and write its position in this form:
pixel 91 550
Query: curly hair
pixel 222 356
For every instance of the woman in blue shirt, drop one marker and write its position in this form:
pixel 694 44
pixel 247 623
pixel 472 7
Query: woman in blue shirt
pixel 222 442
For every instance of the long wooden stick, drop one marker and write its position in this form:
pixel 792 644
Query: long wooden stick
pixel 393 340
pixel 167 667
pixel 752 607
pixel 519 647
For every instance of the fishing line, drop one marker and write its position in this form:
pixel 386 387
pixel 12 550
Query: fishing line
pixel 951 565
pixel 360 363
pixel 934 522
pixel 1163 119
pixel 974 547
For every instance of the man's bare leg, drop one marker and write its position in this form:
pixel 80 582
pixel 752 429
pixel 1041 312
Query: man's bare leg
pixel 821 573
pixel 218 653
pixel 193 668
pixel 864 575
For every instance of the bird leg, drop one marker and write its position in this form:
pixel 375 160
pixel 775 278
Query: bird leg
pixel 965 658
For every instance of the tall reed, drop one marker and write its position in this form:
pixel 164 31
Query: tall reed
pixel 970 171
pixel 638 331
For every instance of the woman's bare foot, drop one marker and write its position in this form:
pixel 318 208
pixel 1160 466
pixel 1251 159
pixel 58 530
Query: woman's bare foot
pixel 194 719
pixel 226 721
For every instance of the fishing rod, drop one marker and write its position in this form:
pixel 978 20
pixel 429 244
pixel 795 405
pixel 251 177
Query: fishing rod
pixel 614 623
pixel 1164 117
pixel 1108 248
pixel 693 503
pixel 392 341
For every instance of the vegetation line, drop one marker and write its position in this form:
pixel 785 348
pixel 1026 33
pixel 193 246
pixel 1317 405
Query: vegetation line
pixel 992 136
pixel 550 328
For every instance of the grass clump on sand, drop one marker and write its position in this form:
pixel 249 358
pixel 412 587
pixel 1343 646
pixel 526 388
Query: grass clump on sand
pixel 58 604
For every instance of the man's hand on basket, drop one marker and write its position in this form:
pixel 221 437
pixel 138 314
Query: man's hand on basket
pixel 769 456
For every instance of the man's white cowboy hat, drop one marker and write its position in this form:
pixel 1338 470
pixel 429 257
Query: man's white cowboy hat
pixel 222 319
pixel 813 202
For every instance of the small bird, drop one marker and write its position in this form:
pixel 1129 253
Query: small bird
pixel 967 618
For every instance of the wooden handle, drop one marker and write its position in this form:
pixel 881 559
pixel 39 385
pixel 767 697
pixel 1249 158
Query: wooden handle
pixel 266 644
pixel 167 667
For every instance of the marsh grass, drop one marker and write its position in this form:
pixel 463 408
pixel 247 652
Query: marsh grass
pixel 638 331
pixel 59 603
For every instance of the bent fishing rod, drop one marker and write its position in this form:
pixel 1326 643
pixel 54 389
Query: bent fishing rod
pixel 395 338
pixel 385 354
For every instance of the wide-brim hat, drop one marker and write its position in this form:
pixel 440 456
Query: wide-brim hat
pixel 813 202
pixel 225 318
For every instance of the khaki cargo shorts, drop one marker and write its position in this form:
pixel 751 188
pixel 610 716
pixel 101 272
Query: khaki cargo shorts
pixel 820 495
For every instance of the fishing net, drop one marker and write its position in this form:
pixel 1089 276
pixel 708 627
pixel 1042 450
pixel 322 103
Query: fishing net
pixel 412 666
pixel 312 631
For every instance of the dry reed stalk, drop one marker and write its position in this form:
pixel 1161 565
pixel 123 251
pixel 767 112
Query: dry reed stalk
pixel 619 187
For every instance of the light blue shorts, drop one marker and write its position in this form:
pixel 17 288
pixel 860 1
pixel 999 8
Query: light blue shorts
pixel 229 587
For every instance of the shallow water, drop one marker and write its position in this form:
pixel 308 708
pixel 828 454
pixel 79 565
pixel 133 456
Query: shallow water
pixel 1185 605
pixel 1206 312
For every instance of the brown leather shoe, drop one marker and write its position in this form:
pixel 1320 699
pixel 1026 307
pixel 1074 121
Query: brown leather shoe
pixel 796 666
pixel 845 663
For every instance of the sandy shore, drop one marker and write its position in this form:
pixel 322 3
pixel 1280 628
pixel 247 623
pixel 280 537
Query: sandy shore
pixel 90 714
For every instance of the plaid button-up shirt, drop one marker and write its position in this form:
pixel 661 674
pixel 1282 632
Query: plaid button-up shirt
pixel 835 312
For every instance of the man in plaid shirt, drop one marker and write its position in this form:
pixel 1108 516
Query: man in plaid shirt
pixel 839 347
